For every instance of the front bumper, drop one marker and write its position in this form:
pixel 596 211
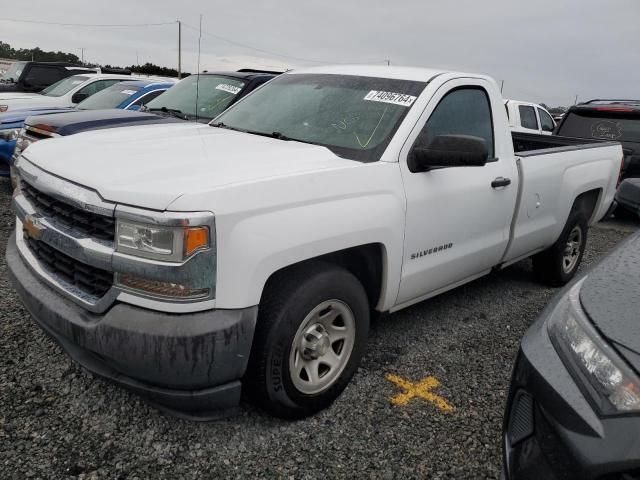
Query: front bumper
pixel 190 363
pixel 551 430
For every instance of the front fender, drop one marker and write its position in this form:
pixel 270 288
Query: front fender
pixel 302 219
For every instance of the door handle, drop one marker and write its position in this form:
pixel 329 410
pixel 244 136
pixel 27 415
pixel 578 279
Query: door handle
pixel 500 182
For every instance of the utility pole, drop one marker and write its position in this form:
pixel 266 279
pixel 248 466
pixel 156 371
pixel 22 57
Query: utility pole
pixel 179 49
pixel 137 59
pixel 501 86
pixel 388 61
pixel 576 100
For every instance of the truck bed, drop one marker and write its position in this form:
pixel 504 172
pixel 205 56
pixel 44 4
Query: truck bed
pixel 529 144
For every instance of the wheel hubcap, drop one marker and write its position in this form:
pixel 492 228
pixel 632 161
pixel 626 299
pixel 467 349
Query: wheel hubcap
pixel 572 250
pixel 322 347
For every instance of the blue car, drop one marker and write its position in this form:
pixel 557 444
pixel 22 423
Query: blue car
pixel 127 95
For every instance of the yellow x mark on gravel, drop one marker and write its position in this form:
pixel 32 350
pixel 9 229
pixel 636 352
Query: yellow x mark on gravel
pixel 421 389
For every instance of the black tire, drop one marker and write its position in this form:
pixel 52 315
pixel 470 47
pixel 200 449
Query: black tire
pixel 549 266
pixel 286 302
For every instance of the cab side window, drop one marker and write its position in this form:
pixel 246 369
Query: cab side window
pixel 463 111
pixel 546 122
pixel 98 85
pixel 528 117
pixel 148 97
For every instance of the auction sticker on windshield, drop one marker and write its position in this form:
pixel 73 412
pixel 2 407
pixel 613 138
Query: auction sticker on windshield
pixel 390 97
pixel 228 88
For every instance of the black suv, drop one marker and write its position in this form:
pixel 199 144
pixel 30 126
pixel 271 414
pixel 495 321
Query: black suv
pixel 36 76
pixel 617 120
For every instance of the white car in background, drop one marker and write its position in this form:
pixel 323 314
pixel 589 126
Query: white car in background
pixel 527 117
pixel 67 92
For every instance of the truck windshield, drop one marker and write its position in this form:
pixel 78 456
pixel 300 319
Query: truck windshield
pixel 110 97
pixel 353 116
pixel 13 74
pixel 215 93
pixel 63 86
pixel 603 125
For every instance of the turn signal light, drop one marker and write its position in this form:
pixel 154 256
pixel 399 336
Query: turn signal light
pixel 196 238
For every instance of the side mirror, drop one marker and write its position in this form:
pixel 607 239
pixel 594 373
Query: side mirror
pixel 450 151
pixel 78 97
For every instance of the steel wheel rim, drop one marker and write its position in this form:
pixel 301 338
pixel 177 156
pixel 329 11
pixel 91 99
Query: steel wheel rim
pixel 322 347
pixel 572 250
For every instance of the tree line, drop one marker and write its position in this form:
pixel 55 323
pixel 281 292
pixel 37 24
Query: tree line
pixel 36 54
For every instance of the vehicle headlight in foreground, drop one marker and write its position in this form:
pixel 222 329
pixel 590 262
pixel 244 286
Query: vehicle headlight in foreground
pixel 9 134
pixel 171 244
pixel 597 367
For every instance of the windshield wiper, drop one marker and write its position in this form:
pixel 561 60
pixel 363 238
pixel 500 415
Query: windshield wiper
pixel 227 127
pixel 171 111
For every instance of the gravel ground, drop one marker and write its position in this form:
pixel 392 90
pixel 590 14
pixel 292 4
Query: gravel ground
pixel 57 421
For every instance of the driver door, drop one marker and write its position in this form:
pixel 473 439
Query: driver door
pixel 457 223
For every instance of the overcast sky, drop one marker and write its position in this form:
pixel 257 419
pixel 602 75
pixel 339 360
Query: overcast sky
pixel 545 51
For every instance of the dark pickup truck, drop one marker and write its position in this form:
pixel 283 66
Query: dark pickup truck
pixel 36 76
pixel 617 120
pixel 613 120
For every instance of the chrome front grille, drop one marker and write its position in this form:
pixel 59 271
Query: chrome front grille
pixel 87 223
pixel 90 280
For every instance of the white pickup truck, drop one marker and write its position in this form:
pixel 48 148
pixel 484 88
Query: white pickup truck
pixel 186 261
pixel 527 117
pixel 67 92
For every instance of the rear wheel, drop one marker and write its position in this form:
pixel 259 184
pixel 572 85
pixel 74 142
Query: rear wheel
pixel 558 265
pixel 312 330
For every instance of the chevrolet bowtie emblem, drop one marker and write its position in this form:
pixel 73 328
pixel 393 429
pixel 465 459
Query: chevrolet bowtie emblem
pixel 33 227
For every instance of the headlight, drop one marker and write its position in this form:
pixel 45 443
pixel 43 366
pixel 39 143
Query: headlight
pixel 613 385
pixel 22 142
pixel 9 134
pixel 172 244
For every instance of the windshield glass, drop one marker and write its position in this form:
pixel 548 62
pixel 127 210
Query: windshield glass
pixel 110 97
pixel 215 94
pixel 602 126
pixel 63 86
pixel 13 74
pixel 355 117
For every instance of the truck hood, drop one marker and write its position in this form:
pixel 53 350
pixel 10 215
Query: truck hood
pixel 610 297
pixel 18 95
pixel 77 121
pixel 21 101
pixel 151 166
pixel 20 115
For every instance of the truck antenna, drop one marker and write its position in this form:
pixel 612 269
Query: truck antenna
pixel 198 72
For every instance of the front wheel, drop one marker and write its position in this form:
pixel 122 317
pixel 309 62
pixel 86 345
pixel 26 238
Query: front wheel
pixel 557 265
pixel 312 330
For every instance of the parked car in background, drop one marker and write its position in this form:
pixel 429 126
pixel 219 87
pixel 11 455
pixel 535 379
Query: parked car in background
pixel 257 259
pixel 527 117
pixel 36 76
pixel 126 95
pixel 573 410
pixel 617 120
pixel 64 93
pixel 216 91
pixel 628 197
